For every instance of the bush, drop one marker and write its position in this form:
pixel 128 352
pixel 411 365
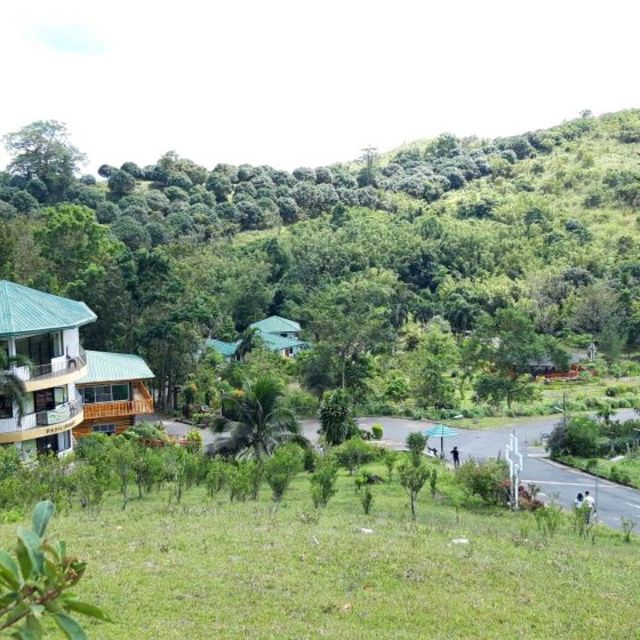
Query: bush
pixel 484 479
pixel 323 482
pixel 579 437
pixel 413 478
pixel 354 453
pixel 416 442
pixel 280 469
pixel 377 431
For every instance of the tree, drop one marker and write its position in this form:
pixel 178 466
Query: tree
pixel 281 468
pixel 35 578
pixel 416 442
pixel 42 150
pixel 336 421
pixel 436 356
pixel 72 240
pixel 323 482
pixel 254 420
pixel 507 348
pixel 413 478
pixel 121 183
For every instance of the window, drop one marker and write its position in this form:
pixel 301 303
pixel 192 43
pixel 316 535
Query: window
pixel 56 344
pixel 105 393
pixel 109 429
pixel 38 349
pixel 4 346
pixel 64 441
pixel 6 407
pixel 120 391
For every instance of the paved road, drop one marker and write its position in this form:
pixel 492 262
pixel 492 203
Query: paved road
pixel 555 480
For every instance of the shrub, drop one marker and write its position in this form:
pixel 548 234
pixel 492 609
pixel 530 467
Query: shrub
pixel 377 431
pixel 366 497
pixel 239 483
pixel 579 437
pixel 354 453
pixel 216 478
pixel 389 458
pixel 323 482
pixel 416 442
pixel 194 440
pixel 484 479
pixel 281 467
pixel 548 519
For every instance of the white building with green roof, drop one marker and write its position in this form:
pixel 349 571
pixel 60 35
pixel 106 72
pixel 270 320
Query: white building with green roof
pixel 43 331
pixel 278 334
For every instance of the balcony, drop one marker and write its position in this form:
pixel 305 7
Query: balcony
pixel 60 370
pixel 142 403
pixel 35 425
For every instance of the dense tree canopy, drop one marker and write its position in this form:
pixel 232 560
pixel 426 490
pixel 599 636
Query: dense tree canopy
pixel 444 266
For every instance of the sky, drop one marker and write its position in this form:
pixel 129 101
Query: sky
pixel 295 83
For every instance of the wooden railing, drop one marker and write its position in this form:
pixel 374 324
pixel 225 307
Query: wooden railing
pixel 119 408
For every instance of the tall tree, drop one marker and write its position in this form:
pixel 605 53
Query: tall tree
pixel 42 150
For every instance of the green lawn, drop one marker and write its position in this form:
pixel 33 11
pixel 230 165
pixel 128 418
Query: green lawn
pixel 211 569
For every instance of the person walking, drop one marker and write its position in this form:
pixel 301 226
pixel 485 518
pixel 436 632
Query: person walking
pixel 579 500
pixel 591 505
pixel 455 454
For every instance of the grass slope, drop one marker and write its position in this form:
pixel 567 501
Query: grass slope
pixel 207 569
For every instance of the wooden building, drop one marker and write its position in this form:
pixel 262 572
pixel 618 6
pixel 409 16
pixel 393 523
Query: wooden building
pixel 113 392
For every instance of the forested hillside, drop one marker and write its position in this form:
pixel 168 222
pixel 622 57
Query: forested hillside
pixel 403 268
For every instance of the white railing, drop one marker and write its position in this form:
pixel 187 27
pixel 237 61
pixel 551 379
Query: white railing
pixel 57 367
pixel 59 414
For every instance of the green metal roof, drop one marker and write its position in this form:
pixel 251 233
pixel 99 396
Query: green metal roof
pixel 278 343
pixel 276 324
pixel 115 367
pixel 25 311
pixel 225 349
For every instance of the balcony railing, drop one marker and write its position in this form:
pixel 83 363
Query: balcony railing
pixel 117 408
pixel 57 367
pixel 59 414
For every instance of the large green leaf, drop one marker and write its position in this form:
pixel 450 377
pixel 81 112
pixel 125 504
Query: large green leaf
pixel 33 545
pixel 87 609
pixel 41 516
pixel 71 628
pixel 9 570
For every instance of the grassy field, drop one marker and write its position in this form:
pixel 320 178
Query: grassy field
pixel 206 569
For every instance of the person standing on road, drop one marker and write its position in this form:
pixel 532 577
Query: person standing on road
pixel 579 500
pixel 456 457
pixel 591 505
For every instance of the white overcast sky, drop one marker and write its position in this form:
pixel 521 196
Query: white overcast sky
pixel 291 83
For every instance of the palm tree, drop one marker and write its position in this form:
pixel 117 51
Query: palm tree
pixel 254 421
pixel 11 386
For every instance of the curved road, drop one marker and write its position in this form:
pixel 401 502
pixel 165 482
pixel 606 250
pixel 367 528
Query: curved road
pixel 554 480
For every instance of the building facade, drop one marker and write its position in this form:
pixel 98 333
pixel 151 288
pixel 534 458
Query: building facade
pixel 68 392
pixel 43 329
pixel 113 393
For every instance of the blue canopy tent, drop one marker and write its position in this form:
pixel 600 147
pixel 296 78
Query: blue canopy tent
pixel 440 431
